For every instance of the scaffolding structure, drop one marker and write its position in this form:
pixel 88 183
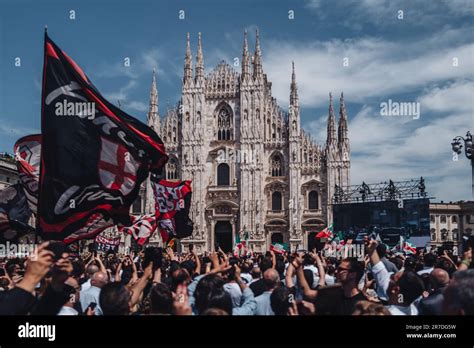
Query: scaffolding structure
pixel 384 191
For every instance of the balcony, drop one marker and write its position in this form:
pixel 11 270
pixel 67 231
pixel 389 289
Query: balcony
pixel 276 213
pixel 312 212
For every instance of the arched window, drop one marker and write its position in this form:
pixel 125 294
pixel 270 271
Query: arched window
pixel 444 234
pixel 276 167
pixel 174 134
pixel 313 200
pixel 454 219
pixel 455 234
pixel 223 175
pixel 172 169
pixel 276 200
pixel 443 219
pixel 224 124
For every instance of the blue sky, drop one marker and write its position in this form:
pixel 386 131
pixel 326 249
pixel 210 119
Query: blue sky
pixel 405 60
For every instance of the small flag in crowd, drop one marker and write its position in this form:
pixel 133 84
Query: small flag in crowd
pixel 239 245
pixel 327 233
pixel 172 203
pixel 142 228
pixel 409 248
pixel 94 156
pixel 106 244
pixel 278 248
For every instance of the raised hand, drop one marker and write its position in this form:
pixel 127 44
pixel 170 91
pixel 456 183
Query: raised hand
pixel 38 265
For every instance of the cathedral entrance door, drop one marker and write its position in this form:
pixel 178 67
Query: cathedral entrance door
pixel 312 240
pixel 277 238
pixel 223 235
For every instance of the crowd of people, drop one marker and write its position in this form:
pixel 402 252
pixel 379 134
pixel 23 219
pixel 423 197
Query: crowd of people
pixel 219 283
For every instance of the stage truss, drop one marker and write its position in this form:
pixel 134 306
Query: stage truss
pixel 384 191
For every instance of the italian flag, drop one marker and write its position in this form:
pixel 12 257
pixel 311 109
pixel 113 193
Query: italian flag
pixel 327 233
pixel 240 244
pixel 278 248
pixel 409 248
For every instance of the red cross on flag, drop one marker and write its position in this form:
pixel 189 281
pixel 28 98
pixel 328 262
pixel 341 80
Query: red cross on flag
pixel 117 167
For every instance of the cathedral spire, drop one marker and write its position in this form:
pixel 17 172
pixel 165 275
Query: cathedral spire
pixel 245 58
pixel 199 60
pixel 331 135
pixel 153 114
pixel 294 88
pixel 342 127
pixel 188 62
pixel 257 60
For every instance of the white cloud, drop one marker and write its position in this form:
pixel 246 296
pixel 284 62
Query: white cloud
pixel 458 96
pixel 376 68
pixel 402 148
pixel 122 94
pixel 384 13
pixel 137 105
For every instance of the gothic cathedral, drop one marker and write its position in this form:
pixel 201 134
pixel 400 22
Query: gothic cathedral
pixel 255 172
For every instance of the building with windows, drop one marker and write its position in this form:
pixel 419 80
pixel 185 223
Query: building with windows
pixel 8 171
pixel 254 170
pixel 449 222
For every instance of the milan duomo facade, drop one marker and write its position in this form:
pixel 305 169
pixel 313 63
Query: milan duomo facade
pixel 254 170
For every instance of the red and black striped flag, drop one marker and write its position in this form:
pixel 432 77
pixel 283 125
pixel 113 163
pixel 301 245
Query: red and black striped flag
pixel 94 156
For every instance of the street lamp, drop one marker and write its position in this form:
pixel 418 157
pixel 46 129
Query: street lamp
pixel 457 148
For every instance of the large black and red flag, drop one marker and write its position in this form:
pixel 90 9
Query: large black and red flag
pixel 172 203
pixel 94 156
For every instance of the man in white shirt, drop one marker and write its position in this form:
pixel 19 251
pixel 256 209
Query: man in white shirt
pixel 98 280
pixel 68 307
pixel 90 270
pixel 429 261
pixel 271 280
pixel 401 288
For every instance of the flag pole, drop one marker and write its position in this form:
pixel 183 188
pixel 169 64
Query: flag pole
pixel 37 227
